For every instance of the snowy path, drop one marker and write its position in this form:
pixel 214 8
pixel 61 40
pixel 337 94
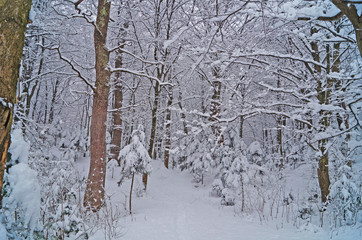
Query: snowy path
pixel 173 209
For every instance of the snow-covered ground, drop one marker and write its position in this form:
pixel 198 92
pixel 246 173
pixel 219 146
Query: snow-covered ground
pixel 175 209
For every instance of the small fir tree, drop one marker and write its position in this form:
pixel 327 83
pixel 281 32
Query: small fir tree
pixel 345 198
pixel 199 159
pixel 134 158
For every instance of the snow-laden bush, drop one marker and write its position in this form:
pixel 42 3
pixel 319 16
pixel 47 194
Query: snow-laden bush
pixel 3 232
pixel 345 198
pixel 255 153
pixel 53 155
pixel 216 188
pixel 21 202
pixel 62 204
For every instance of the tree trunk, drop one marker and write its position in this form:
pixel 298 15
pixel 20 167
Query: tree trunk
pixel 241 126
pixel 117 114
pixel 168 128
pixel 118 97
pixel 281 124
pixel 323 98
pixel 323 177
pixel 215 107
pixel 46 103
pixel 53 100
pixel 38 80
pixel 130 195
pixel 94 193
pixel 153 128
pixel 350 10
pixel 13 21
pixel 183 115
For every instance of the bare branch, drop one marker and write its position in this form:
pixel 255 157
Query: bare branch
pixel 76 5
pixel 141 59
pixel 74 68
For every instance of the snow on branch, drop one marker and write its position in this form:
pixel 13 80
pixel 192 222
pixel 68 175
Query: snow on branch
pixel 323 18
pixel 282 56
pixel 88 16
pixel 325 135
pixel 336 34
pixel 275 89
pixel 139 58
pixel 140 74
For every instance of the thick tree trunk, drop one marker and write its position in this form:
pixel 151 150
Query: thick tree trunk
pixel 94 194
pixel 13 21
pixel 323 177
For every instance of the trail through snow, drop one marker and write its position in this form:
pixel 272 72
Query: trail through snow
pixel 174 209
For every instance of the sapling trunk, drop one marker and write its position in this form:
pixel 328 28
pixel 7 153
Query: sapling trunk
pixel 130 195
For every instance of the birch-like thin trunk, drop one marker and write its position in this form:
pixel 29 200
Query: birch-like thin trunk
pixel 168 129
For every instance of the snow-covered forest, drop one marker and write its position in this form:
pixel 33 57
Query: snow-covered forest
pixel 185 119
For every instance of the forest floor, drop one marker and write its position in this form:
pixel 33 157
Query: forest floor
pixel 174 208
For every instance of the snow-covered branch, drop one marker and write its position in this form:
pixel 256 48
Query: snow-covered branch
pixel 140 74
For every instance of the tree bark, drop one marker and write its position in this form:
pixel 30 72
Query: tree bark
pixel 351 13
pixel 281 124
pixel 183 115
pixel 117 114
pixel 118 96
pixel 215 106
pixel 94 193
pixel 130 195
pixel 168 128
pixel 153 127
pixel 323 98
pixel 13 20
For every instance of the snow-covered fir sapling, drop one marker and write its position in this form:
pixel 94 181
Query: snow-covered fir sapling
pixel 345 198
pixel 134 158
pixel 240 172
pixel 234 167
pixel 199 158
